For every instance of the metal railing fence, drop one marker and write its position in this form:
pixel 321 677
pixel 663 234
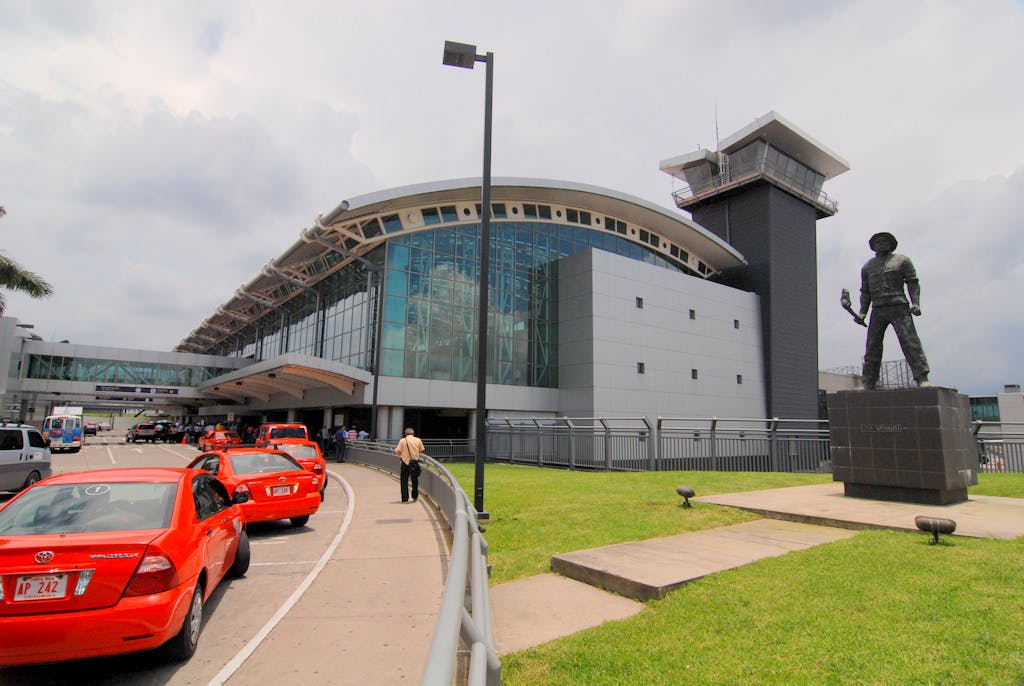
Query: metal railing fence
pixel 701 444
pixel 462 649
pixel 1000 446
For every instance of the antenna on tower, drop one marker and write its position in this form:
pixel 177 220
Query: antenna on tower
pixel 723 159
pixel 716 126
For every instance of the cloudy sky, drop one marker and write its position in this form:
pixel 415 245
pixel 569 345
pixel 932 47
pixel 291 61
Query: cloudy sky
pixel 155 155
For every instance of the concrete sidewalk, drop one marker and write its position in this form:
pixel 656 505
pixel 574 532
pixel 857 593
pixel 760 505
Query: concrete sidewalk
pixel 532 611
pixel 369 617
pixel 980 516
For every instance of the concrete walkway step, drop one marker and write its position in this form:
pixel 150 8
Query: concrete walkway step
pixel 541 608
pixel 644 570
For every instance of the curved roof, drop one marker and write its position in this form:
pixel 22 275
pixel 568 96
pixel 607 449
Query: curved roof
pixel 356 226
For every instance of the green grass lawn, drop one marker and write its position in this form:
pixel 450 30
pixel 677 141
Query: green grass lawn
pixel 882 607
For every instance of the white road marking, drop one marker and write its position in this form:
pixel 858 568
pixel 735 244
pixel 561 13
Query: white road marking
pixel 187 458
pixel 254 643
pixel 111 453
pixel 278 564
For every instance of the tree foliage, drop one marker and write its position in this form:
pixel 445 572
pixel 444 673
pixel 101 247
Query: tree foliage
pixel 15 277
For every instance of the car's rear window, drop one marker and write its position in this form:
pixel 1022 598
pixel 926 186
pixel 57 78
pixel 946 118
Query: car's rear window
pixel 288 432
pixel 260 463
pixel 90 507
pixel 297 450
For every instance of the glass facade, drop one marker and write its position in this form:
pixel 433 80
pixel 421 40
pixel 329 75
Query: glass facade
pixel 56 367
pixel 984 408
pixel 429 311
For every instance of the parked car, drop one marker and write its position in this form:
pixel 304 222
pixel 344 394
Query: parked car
pixel 169 432
pixel 24 457
pixel 277 485
pixel 91 428
pixel 306 453
pixel 103 425
pixel 141 432
pixel 268 433
pixel 115 561
pixel 217 438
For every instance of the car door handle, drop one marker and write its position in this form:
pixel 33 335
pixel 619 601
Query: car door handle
pixel 209 532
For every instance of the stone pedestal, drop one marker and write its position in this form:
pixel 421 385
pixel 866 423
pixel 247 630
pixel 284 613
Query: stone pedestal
pixel 909 445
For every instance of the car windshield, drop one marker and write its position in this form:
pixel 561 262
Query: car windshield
pixel 297 450
pixel 90 507
pixel 259 463
pixel 229 435
pixel 288 432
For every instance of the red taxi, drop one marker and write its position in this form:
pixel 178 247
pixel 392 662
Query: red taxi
pixel 272 433
pixel 277 486
pixel 114 561
pixel 306 453
pixel 218 438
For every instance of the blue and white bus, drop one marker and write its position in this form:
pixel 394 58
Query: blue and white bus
pixel 64 432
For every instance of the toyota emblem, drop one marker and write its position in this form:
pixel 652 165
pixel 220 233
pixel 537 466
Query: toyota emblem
pixel 281 478
pixel 44 556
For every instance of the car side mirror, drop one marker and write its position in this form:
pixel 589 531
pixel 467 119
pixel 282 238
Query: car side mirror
pixel 46 439
pixel 239 498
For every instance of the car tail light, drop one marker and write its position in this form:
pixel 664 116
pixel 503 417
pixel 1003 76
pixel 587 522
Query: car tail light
pixel 318 467
pixel 242 488
pixel 155 574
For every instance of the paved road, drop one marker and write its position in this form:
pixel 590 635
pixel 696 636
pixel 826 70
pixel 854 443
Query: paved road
pixel 351 598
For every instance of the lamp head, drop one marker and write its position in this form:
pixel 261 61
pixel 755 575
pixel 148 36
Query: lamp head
pixel 459 54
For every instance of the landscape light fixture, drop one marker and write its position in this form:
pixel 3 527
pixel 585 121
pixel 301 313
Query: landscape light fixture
pixel 464 55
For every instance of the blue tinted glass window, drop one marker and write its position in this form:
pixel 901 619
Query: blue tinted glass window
pixel 430 216
pixel 397 283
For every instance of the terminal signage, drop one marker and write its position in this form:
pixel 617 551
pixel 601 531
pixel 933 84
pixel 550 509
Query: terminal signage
pixel 137 389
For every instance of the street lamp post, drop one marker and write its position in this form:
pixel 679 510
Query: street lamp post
pixel 464 56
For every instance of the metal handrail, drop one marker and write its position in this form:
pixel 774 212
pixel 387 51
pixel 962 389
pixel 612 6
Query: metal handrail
pixel 468 569
pixel 747 171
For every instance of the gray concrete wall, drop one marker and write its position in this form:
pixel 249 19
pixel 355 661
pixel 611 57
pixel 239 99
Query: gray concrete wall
pixel 603 335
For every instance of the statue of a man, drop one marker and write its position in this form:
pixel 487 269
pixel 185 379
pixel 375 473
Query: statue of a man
pixel 885 281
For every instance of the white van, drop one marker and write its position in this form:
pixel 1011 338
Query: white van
pixel 24 457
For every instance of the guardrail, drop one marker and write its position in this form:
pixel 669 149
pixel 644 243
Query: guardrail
pixel 740 172
pixel 1000 446
pixel 702 444
pixel 465 617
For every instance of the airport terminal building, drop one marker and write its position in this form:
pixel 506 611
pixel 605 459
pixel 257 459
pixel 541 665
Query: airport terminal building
pixel 600 305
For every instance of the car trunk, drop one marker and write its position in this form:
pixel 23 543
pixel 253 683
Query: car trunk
pixel 280 487
pixel 86 570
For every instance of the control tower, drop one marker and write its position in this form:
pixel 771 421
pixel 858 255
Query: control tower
pixel 761 191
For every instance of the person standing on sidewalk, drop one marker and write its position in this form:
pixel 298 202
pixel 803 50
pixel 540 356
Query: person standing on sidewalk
pixel 340 441
pixel 409 450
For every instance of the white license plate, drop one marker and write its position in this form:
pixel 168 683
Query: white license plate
pixel 281 490
pixel 42 587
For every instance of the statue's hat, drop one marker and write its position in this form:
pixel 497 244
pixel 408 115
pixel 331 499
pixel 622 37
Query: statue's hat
pixel 883 234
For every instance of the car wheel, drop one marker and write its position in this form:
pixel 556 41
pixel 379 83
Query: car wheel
pixel 241 564
pixel 31 479
pixel 299 521
pixel 183 645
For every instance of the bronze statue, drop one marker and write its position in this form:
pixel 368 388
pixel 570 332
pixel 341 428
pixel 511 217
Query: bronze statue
pixel 885 282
